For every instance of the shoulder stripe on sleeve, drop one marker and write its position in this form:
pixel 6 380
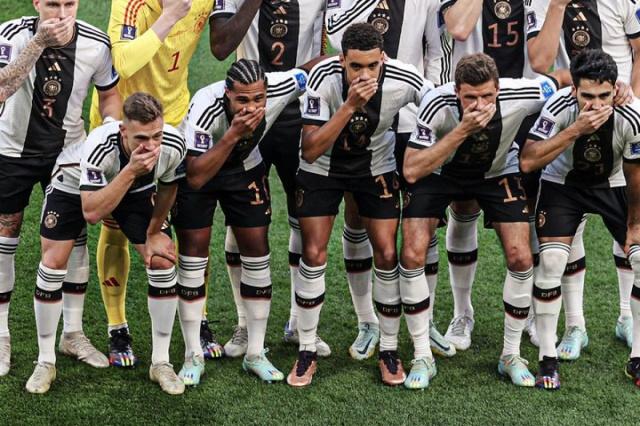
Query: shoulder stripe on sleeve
pixel 398 77
pixel 209 114
pixel 560 100
pixel 432 109
pixel 95 38
pixel 632 117
pixel 282 90
pixel 321 72
pixel 274 87
pixel 102 149
pixel 131 11
pixel 133 15
pixel 527 90
pixel 175 141
pixel 415 77
pixel 566 102
pixel 341 20
pixel 13 30
pixel 92 33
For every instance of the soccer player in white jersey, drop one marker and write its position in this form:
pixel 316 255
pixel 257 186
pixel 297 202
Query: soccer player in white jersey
pixel 587 148
pixel 347 145
pixel 560 30
pixel 47 64
pixel 226 122
pixel 463 148
pixel 129 170
pixel 411 33
pixel 279 35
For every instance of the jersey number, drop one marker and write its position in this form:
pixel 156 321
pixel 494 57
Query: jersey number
pixel 254 186
pixel 513 34
pixel 385 188
pixel 510 198
pixel 277 47
pixel 176 58
pixel 48 107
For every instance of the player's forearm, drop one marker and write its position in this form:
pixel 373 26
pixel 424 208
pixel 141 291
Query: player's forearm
pixel 165 198
pixel 110 103
pixel 131 56
pixel 635 74
pixel 543 49
pixel 461 18
pixel 15 73
pixel 537 154
pixel 96 205
pixel 419 163
pixel 317 140
pixel 203 168
pixel 225 35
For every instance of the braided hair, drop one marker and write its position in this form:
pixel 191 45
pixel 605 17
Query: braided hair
pixel 244 71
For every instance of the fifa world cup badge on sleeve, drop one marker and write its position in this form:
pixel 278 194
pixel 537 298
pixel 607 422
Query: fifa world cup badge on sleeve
pixel 128 32
pixel 218 5
pixel 5 53
pixel 332 4
pixel 544 127
pixel 531 20
pixel 635 148
pixel 94 176
pixel 313 105
pixel 424 134
pixel 202 140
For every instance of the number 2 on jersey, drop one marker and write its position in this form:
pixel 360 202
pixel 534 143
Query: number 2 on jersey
pixel 277 47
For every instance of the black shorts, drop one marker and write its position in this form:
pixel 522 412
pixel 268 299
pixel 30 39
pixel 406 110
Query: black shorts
pixel 402 139
pixel 17 178
pixel 501 198
pixel 281 147
pixel 133 215
pixel 244 199
pixel 377 197
pixel 62 218
pixel 561 207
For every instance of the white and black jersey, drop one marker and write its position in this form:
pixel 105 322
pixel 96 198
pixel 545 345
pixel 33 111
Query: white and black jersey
pixel 209 119
pixel 492 151
pixel 45 114
pixel 595 160
pixel 365 145
pixel 93 164
pixel 282 35
pixel 500 33
pixel 411 33
pixel 593 24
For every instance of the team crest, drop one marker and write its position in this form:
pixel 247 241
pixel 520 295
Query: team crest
pixel 502 9
pixel 52 87
pixel 202 140
pixel 480 144
pixel 380 23
pixel 545 126
pixel 299 197
pixel 128 32
pixel 313 105
pixel 358 124
pixel 580 37
pixel 279 28
pixel 592 151
pixel 542 219
pixel 51 220
pixel 5 52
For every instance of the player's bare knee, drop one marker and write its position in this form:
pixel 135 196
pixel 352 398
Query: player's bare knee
pixel 385 257
pixel 519 259
pixel 467 208
pixel 160 263
pixel 314 256
pixel 52 260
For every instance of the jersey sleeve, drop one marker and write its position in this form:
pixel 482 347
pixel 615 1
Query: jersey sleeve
pixel 173 166
pixel 535 14
pixel 316 100
pixel 96 161
pixel 528 93
pixel 199 122
pixel 11 44
pixel 338 17
pixel 106 75
pixel 431 116
pixel 131 50
pixel 446 4
pixel 553 118
pixel 225 8
pixel 434 49
pixel 632 20
pixel 631 118
pixel 289 85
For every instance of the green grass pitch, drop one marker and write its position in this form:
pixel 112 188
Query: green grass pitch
pixel 466 390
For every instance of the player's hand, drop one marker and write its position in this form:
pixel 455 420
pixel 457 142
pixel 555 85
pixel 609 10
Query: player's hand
pixel 361 91
pixel 475 119
pixel 159 244
pixel 589 120
pixel 55 32
pixel 245 123
pixel 143 161
pixel 176 9
pixel 624 94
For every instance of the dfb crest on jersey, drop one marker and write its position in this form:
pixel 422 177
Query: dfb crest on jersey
pixel 580 36
pixel 52 86
pixel 279 28
pixel 202 140
pixel 358 124
pixel 50 220
pixel 545 126
pixel 5 52
pixel 502 9
pixel 313 105
pixel 480 143
pixel 299 197
pixel 95 176
pixel 592 151
pixel 542 219
pixel 128 32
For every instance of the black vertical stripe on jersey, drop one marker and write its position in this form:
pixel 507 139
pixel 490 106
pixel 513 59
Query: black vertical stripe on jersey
pixel 393 12
pixel 509 57
pixel 244 147
pixel 587 172
pixel 267 16
pixel 45 135
pixel 474 157
pixel 581 17
pixel 355 160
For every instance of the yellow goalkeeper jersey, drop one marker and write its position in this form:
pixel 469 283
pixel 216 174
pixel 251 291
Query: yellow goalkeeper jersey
pixel 145 63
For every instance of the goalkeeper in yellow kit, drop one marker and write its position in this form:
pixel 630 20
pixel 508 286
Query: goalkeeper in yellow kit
pixel 152 44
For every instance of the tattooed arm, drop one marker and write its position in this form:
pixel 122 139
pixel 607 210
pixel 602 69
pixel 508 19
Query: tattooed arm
pixel 52 32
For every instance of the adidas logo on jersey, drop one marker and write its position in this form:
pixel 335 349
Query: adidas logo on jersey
pixel 55 67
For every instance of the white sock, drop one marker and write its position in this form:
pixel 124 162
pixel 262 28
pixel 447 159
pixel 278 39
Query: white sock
pixel 573 282
pixel 255 289
pixel 191 300
pixel 295 252
pixel 547 295
pixel 462 251
pixel 414 293
pixel 358 259
pixel 310 288
pixel 232 254
pixel 516 296
pixel 47 304
pixel 74 287
pixel 162 302
pixel 634 259
pixel 386 294
pixel 625 280
pixel 431 272
pixel 8 247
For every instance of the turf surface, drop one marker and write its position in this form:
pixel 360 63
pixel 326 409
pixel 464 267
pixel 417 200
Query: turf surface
pixel 466 390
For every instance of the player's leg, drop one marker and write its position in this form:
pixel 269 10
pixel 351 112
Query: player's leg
pixel 10 224
pixel 624 325
pixel 237 345
pixel 358 261
pixel 633 365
